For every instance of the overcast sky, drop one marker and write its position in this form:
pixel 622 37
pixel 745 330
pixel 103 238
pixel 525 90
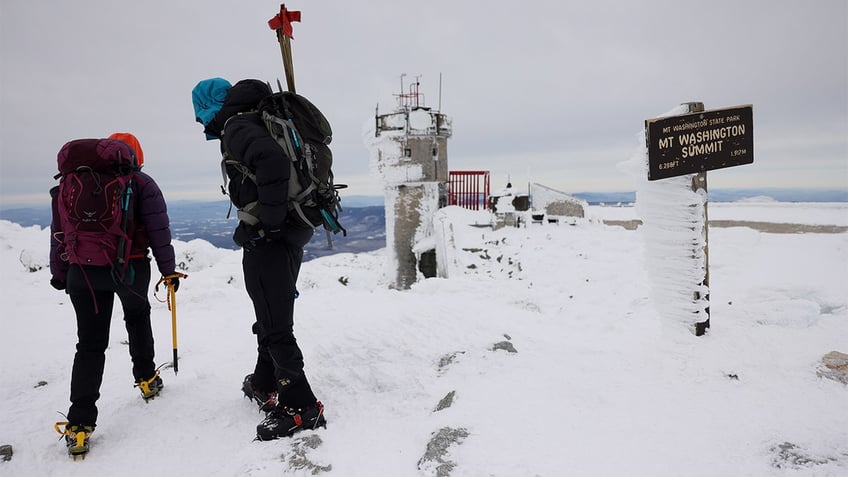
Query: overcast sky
pixel 550 91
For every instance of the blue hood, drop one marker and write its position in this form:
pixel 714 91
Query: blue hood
pixel 208 97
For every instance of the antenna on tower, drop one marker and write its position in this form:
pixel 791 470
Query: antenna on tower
pixel 440 92
pixel 400 96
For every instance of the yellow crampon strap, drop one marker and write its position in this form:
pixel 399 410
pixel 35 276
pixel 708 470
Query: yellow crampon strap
pixel 79 436
pixel 64 432
pixel 144 386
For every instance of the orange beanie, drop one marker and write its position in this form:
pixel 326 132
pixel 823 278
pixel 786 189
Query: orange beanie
pixel 132 142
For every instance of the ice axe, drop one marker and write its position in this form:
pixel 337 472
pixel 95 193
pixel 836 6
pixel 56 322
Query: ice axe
pixel 281 23
pixel 172 305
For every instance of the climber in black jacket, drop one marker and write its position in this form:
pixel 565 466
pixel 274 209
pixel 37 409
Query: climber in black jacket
pixel 273 250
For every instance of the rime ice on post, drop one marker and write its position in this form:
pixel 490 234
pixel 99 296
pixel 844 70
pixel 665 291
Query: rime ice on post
pixel 409 155
pixel 674 219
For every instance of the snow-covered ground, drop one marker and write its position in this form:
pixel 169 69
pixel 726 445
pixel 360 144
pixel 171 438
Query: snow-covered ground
pixel 546 357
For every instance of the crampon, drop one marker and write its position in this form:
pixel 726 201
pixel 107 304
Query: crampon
pixel 150 388
pixel 76 438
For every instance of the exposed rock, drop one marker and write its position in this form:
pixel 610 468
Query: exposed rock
pixel 556 203
pixel 565 208
pixel 504 345
pixel 434 457
pixel 789 455
pixel 446 401
pixel 448 360
pixel 6 453
pixel 834 366
pixel 298 459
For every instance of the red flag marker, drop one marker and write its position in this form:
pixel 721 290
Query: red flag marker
pixel 281 23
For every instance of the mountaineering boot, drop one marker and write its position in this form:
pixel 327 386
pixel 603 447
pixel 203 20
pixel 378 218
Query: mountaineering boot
pixel 76 438
pixel 266 401
pixel 285 421
pixel 151 387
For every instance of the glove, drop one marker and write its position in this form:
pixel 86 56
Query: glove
pixel 57 284
pixel 173 279
pixel 247 235
pixel 274 233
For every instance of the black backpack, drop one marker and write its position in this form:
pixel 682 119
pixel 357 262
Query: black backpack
pixel 304 134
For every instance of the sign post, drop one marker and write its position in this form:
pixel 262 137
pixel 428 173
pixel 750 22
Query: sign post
pixel 694 143
pixel 699 183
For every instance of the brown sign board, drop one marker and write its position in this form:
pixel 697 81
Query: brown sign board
pixel 699 142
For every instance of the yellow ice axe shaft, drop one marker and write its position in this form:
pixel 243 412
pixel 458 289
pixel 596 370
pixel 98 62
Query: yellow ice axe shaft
pixel 172 297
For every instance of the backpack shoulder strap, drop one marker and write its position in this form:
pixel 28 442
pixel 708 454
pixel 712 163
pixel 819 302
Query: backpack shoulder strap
pixel 285 130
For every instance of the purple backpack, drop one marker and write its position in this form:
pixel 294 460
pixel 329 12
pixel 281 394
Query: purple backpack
pixel 95 202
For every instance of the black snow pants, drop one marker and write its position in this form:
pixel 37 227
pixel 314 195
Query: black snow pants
pixel 92 291
pixel 270 276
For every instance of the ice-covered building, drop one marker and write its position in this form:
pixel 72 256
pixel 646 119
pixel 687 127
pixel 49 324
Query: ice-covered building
pixel 409 155
pixel 512 208
pixel 556 203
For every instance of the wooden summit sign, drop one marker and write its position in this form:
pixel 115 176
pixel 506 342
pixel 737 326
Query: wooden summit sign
pixel 699 142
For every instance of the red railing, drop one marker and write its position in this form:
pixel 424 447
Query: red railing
pixel 468 189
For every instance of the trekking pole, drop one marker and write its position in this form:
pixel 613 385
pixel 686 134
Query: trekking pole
pixel 281 23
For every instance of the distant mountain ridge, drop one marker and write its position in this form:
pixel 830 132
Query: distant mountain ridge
pixel 365 219
pixel 366 226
